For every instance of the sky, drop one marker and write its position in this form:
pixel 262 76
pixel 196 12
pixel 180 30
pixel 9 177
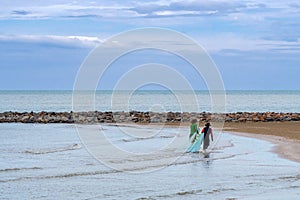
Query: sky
pixel 254 44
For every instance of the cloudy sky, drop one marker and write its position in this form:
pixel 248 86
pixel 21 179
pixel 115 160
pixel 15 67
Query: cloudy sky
pixel 255 44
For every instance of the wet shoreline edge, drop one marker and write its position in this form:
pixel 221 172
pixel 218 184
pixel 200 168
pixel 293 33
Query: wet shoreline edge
pixel 285 148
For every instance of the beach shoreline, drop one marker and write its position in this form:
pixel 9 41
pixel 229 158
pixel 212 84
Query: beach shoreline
pixel 284 135
pixel 283 147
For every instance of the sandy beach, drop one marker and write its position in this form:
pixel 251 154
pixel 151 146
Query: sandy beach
pixel 285 135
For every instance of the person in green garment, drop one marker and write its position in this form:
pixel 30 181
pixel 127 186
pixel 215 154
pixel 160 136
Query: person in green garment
pixel 193 130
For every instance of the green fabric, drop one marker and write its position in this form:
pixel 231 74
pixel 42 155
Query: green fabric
pixel 193 129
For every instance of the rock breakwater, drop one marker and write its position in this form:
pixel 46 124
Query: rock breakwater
pixel 141 117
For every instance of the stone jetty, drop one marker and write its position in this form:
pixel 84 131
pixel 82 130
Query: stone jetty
pixel 142 117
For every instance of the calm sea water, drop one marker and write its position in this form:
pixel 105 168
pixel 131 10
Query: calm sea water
pixel 54 161
pixel 256 101
pixel 49 161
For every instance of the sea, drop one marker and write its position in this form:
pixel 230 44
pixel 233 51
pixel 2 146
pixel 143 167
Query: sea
pixel 149 100
pixel 130 161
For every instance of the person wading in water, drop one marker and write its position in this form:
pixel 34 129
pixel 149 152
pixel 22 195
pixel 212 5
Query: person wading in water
pixel 193 130
pixel 207 131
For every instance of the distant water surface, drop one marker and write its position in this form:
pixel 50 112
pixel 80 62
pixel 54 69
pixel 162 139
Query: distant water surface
pixel 161 101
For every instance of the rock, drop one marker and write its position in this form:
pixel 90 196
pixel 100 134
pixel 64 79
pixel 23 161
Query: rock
pixel 255 119
pixel 135 119
pixel 242 119
pixel 144 117
pixel 228 119
pixel 269 119
pixel 2 118
pixel 177 119
pixel 155 120
pixel 24 119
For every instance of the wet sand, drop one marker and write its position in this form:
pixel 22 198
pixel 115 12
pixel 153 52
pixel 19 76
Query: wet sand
pixel 289 130
pixel 285 135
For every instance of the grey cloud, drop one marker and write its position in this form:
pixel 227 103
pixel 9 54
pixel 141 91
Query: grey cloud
pixel 133 9
pixel 199 8
pixel 20 12
pixel 82 16
pixel 294 5
pixel 284 30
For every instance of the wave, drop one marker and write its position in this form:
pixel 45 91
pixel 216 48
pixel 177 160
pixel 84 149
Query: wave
pixel 183 159
pixel 290 178
pixel 45 151
pixel 19 169
pixel 187 193
pixel 229 144
pixel 187 159
pixel 131 169
pixel 147 138
pixel 92 173
pixel 135 139
pixel 69 175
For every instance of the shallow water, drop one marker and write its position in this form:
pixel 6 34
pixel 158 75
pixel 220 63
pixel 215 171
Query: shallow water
pixel 48 161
